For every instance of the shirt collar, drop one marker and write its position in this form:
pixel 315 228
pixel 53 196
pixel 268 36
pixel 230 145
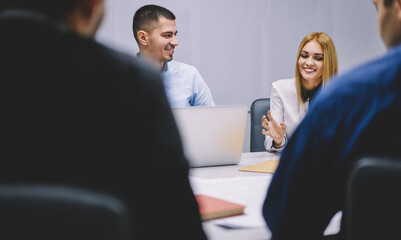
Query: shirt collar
pixel 165 67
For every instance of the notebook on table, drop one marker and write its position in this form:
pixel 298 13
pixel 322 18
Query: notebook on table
pixel 212 136
pixel 214 208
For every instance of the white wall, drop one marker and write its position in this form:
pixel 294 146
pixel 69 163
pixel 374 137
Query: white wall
pixel 240 47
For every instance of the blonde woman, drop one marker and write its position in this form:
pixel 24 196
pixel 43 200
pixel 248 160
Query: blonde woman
pixel 289 99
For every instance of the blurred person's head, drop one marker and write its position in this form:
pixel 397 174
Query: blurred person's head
pixel 82 16
pixel 389 21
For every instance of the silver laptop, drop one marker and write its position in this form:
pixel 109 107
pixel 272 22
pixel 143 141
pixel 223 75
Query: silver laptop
pixel 212 136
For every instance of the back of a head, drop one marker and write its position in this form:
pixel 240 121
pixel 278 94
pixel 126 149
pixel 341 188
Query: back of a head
pixel 55 9
pixel 146 16
pixel 388 3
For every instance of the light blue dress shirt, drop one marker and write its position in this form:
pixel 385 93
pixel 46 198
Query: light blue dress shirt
pixel 185 86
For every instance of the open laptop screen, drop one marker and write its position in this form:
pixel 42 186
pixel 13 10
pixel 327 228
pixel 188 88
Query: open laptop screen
pixel 212 136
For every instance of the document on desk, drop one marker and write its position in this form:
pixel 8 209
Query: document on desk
pixel 248 191
pixel 269 166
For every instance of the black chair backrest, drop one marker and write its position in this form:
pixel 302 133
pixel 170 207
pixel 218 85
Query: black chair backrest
pixel 259 107
pixel 58 212
pixel 373 199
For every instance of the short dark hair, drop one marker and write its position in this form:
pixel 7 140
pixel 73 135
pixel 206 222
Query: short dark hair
pixel 55 9
pixel 146 16
pixel 388 3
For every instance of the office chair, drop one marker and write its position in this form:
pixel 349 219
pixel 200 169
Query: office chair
pixel 58 212
pixel 373 199
pixel 259 107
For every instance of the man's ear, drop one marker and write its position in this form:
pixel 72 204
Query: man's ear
pixel 92 12
pixel 143 37
pixel 90 8
pixel 86 7
pixel 397 5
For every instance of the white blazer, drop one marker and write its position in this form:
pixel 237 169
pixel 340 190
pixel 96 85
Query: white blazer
pixel 285 107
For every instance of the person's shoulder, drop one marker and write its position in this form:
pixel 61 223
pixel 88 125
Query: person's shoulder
pixel 360 85
pixel 381 67
pixel 122 63
pixel 119 57
pixel 180 65
pixel 285 83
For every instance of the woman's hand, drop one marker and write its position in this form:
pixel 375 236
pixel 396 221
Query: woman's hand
pixel 273 129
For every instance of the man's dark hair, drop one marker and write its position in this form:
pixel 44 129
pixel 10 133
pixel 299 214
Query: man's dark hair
pixel 55 9
pixel 388 3
pixel 146 16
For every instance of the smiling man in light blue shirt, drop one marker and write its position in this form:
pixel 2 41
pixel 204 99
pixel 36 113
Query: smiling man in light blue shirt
pixel 155 32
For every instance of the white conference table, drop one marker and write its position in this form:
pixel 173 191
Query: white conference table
pixel 247 188
pixel 230 172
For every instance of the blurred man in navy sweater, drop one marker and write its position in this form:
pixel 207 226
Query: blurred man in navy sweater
pixel 77 113
pixel 357 114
